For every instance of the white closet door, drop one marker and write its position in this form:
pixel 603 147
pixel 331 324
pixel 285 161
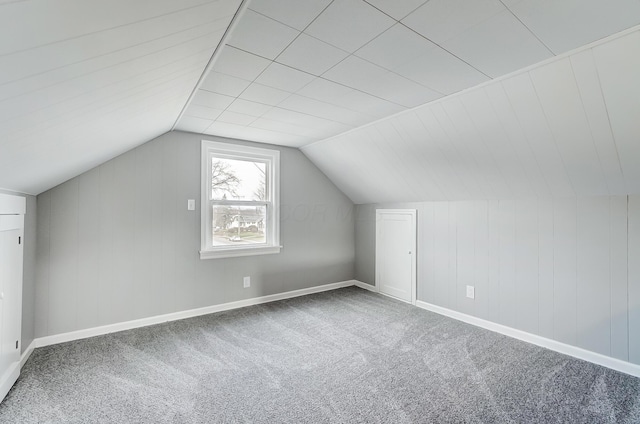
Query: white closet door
pixel 396 253
pixel 11 242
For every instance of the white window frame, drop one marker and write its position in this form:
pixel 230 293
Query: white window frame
pixel 271 157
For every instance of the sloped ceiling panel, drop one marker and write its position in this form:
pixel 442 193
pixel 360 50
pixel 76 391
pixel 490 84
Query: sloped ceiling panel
pixel 566 127
pixel 305 70
pixel 82 81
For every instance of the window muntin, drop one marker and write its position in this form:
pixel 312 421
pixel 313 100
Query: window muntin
pixel 240 200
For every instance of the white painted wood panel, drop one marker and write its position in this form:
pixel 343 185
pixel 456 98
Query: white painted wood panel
pixel 108 194
pixel 43 255
pixel 493 287
pixel 559 96
pixel 564 270
pixel 507 295
pixel 426 253
pixel 546 317
pixel 452 277
pixel 619 290
pixel 63 278
pixel 441 253
pixel 618 64
pixel 634 279
pixel 465 263
pixel 530 114
pixel 88 248
pixel 516 137
pixel 481 254
pixel 526 265
pixel 588 81
pixel 593 275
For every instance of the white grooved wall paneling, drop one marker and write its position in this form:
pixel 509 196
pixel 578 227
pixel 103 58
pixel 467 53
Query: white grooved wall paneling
pixel 560 268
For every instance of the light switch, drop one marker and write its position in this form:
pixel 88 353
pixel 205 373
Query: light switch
pixel 191 204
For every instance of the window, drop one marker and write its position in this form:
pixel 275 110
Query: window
pixel 240 200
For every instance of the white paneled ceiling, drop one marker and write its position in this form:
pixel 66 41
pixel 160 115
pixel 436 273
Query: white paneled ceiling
pixel 82 81
pixel 301 71
pixel 563 128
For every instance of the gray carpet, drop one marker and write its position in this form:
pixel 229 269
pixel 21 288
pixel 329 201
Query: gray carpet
pixel 345 356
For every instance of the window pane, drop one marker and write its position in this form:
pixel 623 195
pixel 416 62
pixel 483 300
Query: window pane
pixel 238 179
pixel 239 225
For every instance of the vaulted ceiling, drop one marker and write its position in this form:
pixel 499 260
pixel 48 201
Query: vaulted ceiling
pixel 380 94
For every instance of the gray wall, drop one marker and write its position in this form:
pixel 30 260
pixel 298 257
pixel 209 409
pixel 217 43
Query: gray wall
pixel 565 269
pixel 117 243
pixel 29 270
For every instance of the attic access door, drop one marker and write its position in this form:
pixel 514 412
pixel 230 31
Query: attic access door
pixel 12 209
pixel 396 253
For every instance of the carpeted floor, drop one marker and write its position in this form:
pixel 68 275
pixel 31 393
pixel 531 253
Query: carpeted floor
pixel 344 356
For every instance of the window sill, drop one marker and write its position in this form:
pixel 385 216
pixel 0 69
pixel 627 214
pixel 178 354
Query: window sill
pixel 236 252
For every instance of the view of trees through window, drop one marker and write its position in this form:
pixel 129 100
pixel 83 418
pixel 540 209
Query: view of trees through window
pixel 239 192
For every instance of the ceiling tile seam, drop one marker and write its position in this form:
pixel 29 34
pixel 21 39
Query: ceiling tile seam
pixel 553 136
pixel 131 77
pixel 613 136
pixel 137 58
pixel 287 25
pixel 527 27
pixel 445 49
pixel 354 54
pixel 321 75
pixel 258 128
pixel 292 93
pixel 484 143
pixel 526 138
pixel 214 56
pixel 280 131
pixel 397 20
pixel 116 51
pixel 450 140
pixel 506 137
pixel 502 77
pixel 247 87
pixel 108 29
pixel 62 126
pixel 592 135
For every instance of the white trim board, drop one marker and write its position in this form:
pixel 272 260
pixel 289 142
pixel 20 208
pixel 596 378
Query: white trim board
pixel 144 322
pixel 27 353
pixel 576 352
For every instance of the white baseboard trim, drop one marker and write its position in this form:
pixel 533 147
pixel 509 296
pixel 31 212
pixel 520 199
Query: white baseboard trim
pixel 576 352
pixel 27 353
pixel 365 286
pixel 144 322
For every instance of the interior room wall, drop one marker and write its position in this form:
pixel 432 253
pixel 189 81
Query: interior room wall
pixel 565 268
pixel 117 243
pixel 29 270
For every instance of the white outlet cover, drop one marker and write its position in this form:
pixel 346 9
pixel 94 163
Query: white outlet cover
pixel 247 282
pixel 471 292
pixel 191 204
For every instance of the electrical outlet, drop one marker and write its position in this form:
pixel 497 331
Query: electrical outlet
pixel 471 292
pixel 247 282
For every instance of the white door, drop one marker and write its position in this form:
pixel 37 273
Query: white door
pixel 396 253
pixel 11 242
